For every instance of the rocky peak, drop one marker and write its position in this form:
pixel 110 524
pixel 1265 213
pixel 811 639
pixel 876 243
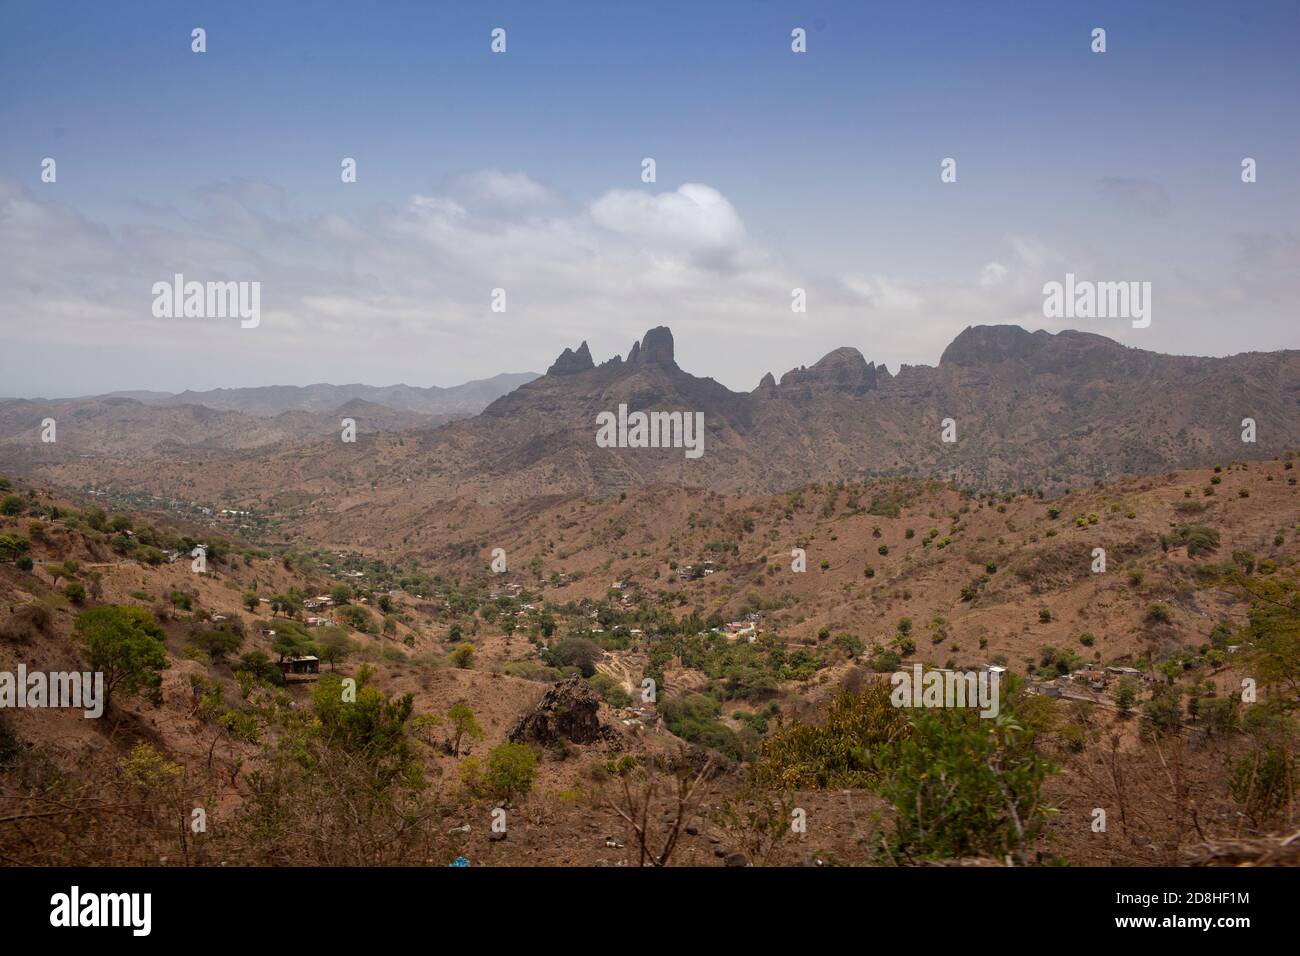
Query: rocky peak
pixel 571 362
pixel 656 348
pixel 843 368
pixel 982 344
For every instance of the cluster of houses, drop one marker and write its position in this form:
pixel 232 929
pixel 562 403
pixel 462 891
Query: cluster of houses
pixel 688 572
pixel 318 603
pixel 627 587
pixel 744 629
pixel 637 719
pixel 1090 678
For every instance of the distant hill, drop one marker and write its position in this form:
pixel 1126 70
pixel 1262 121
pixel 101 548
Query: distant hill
pixel 467 399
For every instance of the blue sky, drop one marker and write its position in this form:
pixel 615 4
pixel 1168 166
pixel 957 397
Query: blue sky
pixel 479 170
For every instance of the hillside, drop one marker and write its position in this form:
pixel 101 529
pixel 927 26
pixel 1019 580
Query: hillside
pixel 673 585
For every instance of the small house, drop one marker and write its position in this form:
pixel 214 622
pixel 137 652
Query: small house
pixel 300 668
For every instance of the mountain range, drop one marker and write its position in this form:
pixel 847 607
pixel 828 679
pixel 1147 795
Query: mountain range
pixel 1025 410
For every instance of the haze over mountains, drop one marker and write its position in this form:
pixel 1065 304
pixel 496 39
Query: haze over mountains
pixel 232 418
pixel 1030 410
pixel 467 399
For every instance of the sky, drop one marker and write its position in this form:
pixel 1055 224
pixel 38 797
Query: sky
pixel 522 171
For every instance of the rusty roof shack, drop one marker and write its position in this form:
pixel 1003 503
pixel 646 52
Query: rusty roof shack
pixel 298 669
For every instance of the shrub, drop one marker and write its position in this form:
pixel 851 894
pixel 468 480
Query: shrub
pixel 1158 613
pixel 962 786
pixel 217 644
pixel 510 770
pixel 1197 538
pixel 694 719
pixel 610 690
pixel 838 753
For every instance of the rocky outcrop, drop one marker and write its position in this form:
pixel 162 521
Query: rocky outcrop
pixel 656 348
pixel 571 362
pixel 568 711
pixel 844 369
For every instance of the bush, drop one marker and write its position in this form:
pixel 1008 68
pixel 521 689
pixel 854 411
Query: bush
pixel 610 690
pixel 694 719
pixel 1197 538
pixel 839 752
pixel 510 770
pixel 962 786
pixel 575 652
pixel 463 656
pixel 217 644
pixel 1263 783
pixel 1158 613
pixel 75 592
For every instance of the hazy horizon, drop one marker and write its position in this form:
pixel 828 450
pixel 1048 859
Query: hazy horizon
pixel 597 358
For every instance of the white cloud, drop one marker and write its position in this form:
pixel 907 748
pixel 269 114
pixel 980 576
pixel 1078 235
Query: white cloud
pixel 401 292
pixel 492 187
pixel 694 217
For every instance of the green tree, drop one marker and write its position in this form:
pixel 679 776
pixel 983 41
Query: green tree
pixel 373 726
pixel 463 723
pixel 510 770
pixel 125 643
pixel 1125 695
pixel 334 646
pixel 463 656
pixel 218 643
pixel 13 546
pixel 576 652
